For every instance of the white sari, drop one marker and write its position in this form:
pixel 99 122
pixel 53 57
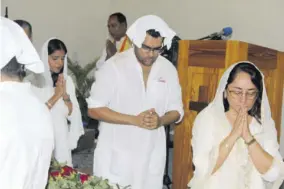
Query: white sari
pixel 66 136
pixel 237 172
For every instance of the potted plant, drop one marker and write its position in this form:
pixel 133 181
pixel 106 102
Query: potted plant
pixel 83 83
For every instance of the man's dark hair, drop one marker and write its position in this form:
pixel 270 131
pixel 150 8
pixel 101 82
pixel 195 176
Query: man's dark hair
pixel 120 17
pixel 25 24
pixel 153 33
pixel 14 69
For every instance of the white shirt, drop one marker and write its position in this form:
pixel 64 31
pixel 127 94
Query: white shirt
pixel 102 59
pixel 26 138
pixel 129 154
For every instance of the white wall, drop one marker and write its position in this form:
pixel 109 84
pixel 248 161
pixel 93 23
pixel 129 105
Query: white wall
pixel 82 24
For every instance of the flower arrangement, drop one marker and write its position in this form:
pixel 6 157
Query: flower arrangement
pixel 65 177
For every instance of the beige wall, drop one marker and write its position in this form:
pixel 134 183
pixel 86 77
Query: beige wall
pixel 81 24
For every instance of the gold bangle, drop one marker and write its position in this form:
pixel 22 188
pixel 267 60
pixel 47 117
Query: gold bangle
pixel 251 142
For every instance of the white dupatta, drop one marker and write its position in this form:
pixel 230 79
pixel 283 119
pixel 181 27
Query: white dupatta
pixel 76 124
pixel 213 117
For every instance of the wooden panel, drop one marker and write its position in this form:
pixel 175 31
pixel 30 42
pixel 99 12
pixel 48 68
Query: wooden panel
pixel 200 67
pixel 263 58
pixel 207 54
pixel 203 94
pixel 197 106
pixel 201 86
pixel 181 158
pixel 276 93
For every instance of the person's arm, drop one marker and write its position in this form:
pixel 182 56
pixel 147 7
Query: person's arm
pixel 52 101
pixel 169 118
pixel 266 157
pixel 260 158
pixel 225 148
pixel 174 107
pixel 107 115
pixel 68 103
pixel 102 92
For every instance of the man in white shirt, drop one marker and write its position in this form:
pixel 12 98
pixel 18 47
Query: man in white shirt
pixel 117 41
pixel 26 131
pixel 136 93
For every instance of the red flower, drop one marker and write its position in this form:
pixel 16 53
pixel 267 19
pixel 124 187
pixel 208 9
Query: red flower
pixel 84 178
pixel 67 171
pixel 55 174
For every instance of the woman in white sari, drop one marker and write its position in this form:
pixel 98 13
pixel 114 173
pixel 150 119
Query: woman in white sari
pixel 234 139
pixel 57 91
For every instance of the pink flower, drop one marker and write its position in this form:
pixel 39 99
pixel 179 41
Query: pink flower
pixel 55 174
pixel 67 171
pixel 84 178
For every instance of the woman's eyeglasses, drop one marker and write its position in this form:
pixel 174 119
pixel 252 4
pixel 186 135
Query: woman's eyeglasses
pixel 239 94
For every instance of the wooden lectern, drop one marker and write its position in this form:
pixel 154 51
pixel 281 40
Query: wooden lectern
pixel 200 67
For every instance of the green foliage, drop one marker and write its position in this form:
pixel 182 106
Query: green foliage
pixel 83 83
pixel 62 176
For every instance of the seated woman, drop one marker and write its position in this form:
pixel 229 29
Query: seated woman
pixel 57 91
pixel 234 139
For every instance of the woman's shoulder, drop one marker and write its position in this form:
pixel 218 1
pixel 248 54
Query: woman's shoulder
pixel 203 121
pixel 206 115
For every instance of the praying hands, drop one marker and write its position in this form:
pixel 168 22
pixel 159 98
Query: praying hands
pixel 241 126
pixel 148 119
pixel 110 49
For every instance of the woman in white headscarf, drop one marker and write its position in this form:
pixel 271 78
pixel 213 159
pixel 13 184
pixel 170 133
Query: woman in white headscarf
pixel 58 93
pixel 234 139
pixel 26 130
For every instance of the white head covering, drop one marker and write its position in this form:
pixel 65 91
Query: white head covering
pixel 15 43
pixel 44 57
pixel 217 103
pixel 216 111
pixel 137 31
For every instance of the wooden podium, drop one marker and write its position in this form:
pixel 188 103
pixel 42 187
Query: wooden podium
pixel 200 67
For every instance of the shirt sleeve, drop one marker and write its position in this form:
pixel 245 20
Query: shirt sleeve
pixel 271 146
pixel 104 87
pixel 175 97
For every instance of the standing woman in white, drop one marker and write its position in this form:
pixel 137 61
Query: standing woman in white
pixel 26 130
pixel 58 93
